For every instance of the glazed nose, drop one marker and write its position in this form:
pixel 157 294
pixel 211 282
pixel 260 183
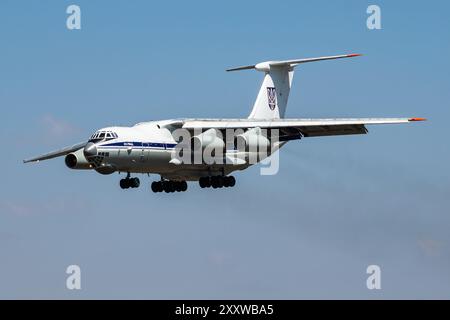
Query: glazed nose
pixel 90 150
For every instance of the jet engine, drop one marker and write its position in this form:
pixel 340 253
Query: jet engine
pixel 252 140
pixel 210 138
pixel 76 160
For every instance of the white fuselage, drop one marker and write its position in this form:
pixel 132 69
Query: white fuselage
pixel 148 148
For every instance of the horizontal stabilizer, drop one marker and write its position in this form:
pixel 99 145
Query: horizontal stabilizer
pixel 265 66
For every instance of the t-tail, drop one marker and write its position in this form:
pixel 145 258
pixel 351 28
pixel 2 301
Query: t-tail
pixel 273 95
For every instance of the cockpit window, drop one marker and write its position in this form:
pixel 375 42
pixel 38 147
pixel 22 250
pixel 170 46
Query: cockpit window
pixel 103 136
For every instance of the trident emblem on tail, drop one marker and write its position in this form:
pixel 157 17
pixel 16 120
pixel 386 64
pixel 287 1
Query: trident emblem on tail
pixel 272 97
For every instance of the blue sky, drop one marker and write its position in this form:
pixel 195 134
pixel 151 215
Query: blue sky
pixel 337 205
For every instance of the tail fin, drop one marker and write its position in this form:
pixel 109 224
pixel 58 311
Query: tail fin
pixel 273 95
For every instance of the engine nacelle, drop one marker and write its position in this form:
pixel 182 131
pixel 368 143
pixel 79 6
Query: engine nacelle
pixel 210 138
pixel 252 140
pixel 76 160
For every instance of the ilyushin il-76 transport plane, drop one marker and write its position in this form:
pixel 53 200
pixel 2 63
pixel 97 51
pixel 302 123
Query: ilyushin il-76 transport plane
pixel 201 150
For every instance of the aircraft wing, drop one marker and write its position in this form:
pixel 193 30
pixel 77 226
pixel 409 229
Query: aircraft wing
pixel 57 153
pixel 296 127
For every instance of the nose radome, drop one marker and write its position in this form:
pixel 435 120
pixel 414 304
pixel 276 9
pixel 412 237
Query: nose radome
pixel 90 150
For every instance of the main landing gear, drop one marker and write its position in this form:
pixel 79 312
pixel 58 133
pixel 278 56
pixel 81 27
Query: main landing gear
pixel 169 186
pixel 129 182
pixel 217 182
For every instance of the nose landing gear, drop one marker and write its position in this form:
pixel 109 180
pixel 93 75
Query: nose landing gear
pixel 129 182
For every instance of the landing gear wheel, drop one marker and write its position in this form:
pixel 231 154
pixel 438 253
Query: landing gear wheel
pixel 165 186
pixel 202 182
pixel 172 186
pixel 231 181
pixel 220 181
pixel 135 183
pixel 156 186
pixel 184 186
pixel 205 182
pixel 214 182
pixel 124 183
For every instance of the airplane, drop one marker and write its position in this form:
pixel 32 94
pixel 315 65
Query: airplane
pixel 149 147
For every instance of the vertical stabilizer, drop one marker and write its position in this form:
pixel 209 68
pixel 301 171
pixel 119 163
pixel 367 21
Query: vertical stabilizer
pixel 273 95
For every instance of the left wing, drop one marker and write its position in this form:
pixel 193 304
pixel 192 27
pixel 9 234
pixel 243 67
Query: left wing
pixel 57 153
pixel 303 127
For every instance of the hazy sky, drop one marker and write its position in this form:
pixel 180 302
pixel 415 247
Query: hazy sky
pixel 337 205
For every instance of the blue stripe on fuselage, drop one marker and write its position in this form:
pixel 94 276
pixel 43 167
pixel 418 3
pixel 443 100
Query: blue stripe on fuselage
pixel 150 145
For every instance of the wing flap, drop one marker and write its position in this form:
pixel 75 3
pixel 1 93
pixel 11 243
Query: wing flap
pixel 333 130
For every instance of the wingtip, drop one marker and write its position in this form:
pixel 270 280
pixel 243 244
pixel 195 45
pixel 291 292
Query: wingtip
pixel 354 55
pixel 417 119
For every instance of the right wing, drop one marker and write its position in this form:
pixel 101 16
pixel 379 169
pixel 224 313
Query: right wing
pixel 57 153
pixel 298 127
